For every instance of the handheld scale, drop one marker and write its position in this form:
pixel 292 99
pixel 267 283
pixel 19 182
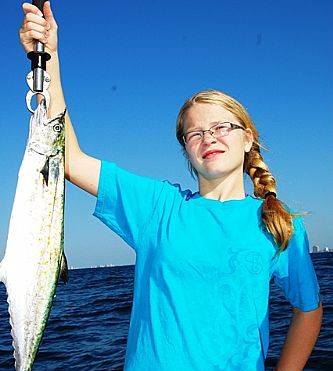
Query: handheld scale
pixel 38 79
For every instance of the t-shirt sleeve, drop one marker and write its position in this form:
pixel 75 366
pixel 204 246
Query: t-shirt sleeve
pixel 295 273
pixel 126 202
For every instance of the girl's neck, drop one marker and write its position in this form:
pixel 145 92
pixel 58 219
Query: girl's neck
pixel 222 190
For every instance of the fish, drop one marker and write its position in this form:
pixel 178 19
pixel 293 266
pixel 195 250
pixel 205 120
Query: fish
pixel 34 256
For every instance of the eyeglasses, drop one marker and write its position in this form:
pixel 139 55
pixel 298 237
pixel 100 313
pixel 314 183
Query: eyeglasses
pixel 218 130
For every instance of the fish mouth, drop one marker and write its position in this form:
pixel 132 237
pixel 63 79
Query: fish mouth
pixel 212 153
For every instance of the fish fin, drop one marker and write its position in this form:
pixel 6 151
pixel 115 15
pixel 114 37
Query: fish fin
pixel 64 269
pixel 45 171
pixel 2 274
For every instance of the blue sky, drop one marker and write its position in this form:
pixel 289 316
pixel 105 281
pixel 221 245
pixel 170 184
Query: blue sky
pixel 127 67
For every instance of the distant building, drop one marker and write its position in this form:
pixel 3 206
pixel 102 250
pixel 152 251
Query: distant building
pixel 315 249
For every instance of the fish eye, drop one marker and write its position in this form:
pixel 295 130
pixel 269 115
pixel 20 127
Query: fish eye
pixel 57 128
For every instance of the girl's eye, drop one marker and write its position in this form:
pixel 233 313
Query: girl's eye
pixel 193 137
pixel 222 127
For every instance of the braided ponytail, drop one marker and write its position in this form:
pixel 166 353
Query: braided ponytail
pixel 275 216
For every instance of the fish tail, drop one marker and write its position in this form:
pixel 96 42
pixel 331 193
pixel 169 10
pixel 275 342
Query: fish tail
pixel 63 275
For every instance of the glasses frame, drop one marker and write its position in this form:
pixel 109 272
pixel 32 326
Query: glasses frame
pixel 212 131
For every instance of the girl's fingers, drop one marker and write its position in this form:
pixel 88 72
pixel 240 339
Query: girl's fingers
pixel 31 17
pixel 34 16
pixel 29 8
pixel 30 33
pixel 34 30
pixel 36 27
pixel 31 26
pixel 48 12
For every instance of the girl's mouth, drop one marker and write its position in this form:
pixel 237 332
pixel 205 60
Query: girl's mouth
pixel 212 153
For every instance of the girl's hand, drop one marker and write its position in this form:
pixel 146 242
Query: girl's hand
pixel 36 27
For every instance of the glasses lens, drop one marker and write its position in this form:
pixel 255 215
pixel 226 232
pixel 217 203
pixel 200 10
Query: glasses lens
pixel 194 136
pixel 221 129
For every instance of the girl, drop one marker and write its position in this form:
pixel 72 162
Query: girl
pixel 205 259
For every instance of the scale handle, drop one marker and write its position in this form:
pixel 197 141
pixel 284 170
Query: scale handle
pixel 39 4
pixel 39 47
pixel 38 72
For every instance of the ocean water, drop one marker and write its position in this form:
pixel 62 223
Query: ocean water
pixel 88 326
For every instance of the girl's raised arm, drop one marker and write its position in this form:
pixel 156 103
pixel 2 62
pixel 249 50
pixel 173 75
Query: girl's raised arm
pixel 80 168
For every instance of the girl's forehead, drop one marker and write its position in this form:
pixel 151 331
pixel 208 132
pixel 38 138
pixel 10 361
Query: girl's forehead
pixel 202 114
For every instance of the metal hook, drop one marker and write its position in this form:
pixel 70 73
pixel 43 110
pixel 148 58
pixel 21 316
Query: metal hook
pixel 31 92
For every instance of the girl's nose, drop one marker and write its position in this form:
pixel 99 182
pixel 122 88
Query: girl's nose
pixel 208 136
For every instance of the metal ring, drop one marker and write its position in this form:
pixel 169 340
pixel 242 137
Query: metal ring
pixel 29 96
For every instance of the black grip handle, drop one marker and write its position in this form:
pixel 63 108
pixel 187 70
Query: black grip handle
pixel 39 4
pixel 38 57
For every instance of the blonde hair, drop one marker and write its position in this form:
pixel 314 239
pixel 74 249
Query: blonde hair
pixel 275 216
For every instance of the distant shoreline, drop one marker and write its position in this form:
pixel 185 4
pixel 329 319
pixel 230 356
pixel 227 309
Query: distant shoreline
pixel 127 265
pixel 102 266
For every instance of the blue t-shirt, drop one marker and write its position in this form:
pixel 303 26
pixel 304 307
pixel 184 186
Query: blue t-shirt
pixel 202 274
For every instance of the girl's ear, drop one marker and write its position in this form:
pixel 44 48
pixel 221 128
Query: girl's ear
pixel 248 140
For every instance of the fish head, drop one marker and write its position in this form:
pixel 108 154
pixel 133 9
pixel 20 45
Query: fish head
pixel 47 136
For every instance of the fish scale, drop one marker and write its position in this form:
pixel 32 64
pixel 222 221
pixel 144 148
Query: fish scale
pixel 35 244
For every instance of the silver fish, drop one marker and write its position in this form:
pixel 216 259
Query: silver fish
pixel 35 245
